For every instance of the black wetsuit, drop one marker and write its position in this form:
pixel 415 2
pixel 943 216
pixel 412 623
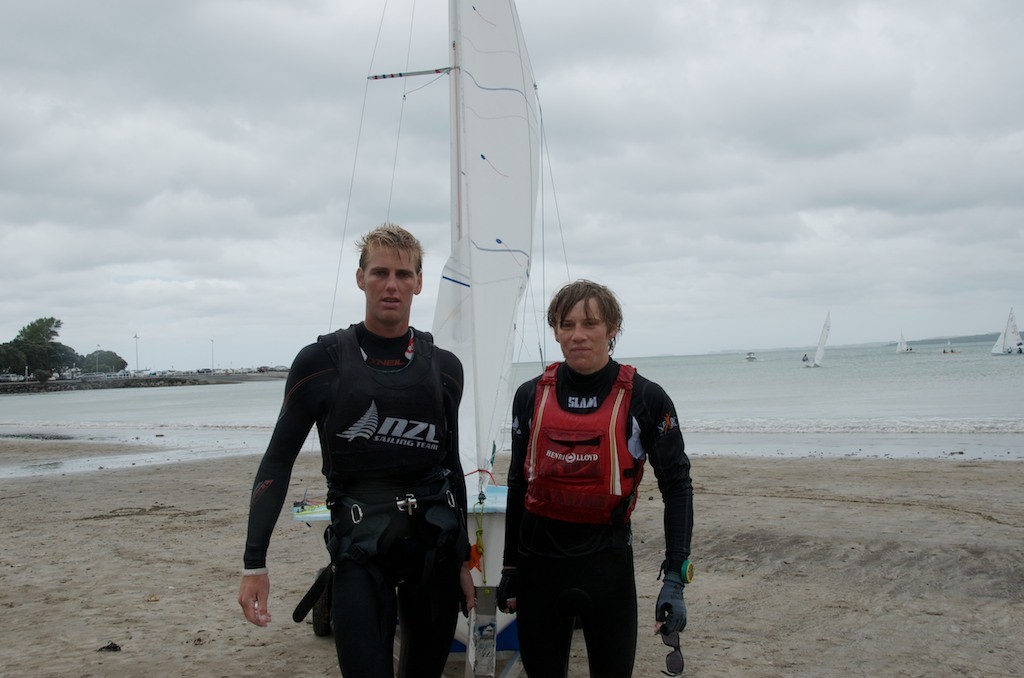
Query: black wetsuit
pixel 365 604
pixel 567 570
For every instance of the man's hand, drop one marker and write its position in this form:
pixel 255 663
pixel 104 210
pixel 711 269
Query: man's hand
pixel 670 610
pixel 507 590
pixel 252 596
pixel 468 589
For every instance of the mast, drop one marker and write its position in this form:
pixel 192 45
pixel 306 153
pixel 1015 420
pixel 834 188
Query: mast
pixel 455 119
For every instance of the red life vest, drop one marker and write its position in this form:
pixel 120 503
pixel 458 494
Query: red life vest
pixel 578 466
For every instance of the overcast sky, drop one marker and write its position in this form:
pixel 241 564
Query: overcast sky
pixel 182 171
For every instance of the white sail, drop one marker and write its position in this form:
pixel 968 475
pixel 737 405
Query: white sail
pixel 902 346
pixel 819 355
pixel 495 168
pixel 1009 341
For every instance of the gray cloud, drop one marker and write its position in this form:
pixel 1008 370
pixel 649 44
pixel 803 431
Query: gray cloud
pixel 733 170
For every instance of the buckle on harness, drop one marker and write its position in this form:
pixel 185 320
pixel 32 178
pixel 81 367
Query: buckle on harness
pixel 408 504
pixel 450 496
pixel 356 513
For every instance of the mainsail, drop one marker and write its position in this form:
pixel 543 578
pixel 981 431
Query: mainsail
pixel 495 169
pixel 819 355
pixel 1009 341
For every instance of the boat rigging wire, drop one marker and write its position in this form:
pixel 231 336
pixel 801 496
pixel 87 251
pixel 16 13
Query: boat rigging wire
pixel 401 115
pixel 352 175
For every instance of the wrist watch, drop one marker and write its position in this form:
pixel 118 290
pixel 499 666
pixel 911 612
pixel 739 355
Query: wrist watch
pixel 686 571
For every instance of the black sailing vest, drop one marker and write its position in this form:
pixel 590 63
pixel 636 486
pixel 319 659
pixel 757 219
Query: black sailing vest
pixel 382 424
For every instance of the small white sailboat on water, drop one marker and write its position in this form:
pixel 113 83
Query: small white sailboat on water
pixel 902 347
pixel 1009 341
pixel 819 354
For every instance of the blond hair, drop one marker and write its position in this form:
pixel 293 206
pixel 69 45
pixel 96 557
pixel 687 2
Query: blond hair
pixel 392 237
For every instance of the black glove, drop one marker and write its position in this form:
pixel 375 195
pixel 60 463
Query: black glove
pixel 671 608
pixel 507 589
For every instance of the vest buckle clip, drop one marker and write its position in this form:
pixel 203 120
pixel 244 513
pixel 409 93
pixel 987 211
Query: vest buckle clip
pixel 408 504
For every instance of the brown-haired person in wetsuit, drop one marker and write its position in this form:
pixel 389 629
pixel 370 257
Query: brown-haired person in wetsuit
pixel 385 403
pixel 581 435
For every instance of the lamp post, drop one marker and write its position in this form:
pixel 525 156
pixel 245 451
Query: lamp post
pixel 97 358
pixel 136 337
pixel 211 357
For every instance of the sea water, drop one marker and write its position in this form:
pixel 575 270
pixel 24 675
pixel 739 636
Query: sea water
pixel 934 401
pixel 863 402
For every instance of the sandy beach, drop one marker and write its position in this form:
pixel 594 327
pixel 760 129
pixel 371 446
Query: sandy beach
pixel 806 567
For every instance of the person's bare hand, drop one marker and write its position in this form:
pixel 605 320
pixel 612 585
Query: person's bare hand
pixel 252 596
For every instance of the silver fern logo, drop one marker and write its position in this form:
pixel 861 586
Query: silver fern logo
pixel 365 427
pixel 394 431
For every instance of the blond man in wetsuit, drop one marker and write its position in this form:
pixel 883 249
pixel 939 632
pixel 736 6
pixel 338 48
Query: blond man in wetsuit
pixel 385 403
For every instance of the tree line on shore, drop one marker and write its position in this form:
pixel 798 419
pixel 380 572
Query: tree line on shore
pixel 36 352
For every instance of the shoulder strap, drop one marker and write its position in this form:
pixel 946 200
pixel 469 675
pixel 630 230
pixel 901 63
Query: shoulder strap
pixel 625 376
pixel 424 344
pixel 548 377
pixel 332 344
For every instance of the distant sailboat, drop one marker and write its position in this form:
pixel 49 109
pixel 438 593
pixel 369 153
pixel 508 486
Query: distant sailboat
pixel 819 355
pixel 1009 341
pixel 902 346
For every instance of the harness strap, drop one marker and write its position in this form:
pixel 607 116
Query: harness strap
pixel 313 594
pixel 409 504
pixel 372 521
pixel 317 589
